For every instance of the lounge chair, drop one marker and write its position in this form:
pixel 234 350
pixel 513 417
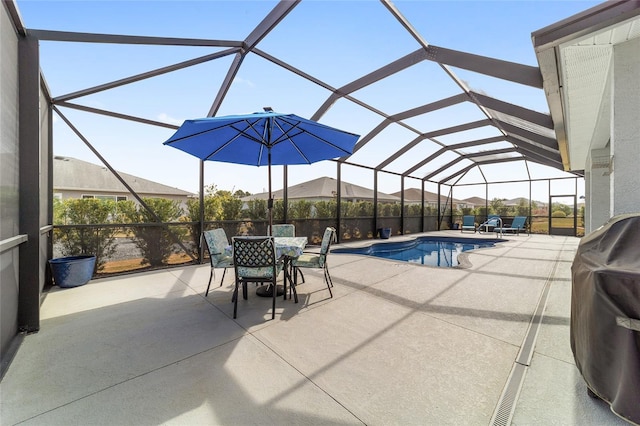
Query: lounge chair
pixel 493 221
pixel 468 224
pixel 516 226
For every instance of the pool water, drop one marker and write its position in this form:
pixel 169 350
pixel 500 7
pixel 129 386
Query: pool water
pixel 430 251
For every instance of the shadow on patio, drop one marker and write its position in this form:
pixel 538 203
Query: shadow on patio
pixel 398 344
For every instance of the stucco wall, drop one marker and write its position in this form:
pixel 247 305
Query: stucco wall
pixel 625 140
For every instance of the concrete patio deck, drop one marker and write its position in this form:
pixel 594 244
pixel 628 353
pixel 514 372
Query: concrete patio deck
pixel 398 344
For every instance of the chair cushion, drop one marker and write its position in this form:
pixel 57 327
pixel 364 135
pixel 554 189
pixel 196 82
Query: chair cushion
pixel 222 261
pixel 286 230
pixel 217 244
pixel 261 272
pixel 329 234
pixel 308 260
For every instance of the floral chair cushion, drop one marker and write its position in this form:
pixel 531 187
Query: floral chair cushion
pixel 216 243
pixel 316 260
pixel 262 272
pixel 284 230
pixel 255 257
pixel 308 260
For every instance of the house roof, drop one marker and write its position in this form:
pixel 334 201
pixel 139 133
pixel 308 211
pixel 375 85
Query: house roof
pixel 413 194
pixel 71 174
pixel 476 201
pixel 325 187
pixel 516 201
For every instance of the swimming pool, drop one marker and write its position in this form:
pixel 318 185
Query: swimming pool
pixel 430 251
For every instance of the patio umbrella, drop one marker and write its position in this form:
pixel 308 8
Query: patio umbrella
pixel 262 139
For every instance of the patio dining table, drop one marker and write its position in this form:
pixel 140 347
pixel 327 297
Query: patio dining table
pixel 287 248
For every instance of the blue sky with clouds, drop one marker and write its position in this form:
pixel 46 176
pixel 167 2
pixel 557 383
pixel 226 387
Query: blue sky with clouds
pixel 335 41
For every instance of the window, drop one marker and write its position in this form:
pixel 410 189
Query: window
pixel 105 197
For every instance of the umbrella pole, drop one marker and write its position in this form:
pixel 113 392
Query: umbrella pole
pixel 267 129
pixel 201 199
pixel 270 202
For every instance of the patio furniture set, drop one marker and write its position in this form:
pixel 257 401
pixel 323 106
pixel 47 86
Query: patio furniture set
pixel 494 224
pixel 261 259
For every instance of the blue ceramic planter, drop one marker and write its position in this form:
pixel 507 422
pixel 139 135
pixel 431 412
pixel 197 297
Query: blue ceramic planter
pixel 72 271
pixel 385 233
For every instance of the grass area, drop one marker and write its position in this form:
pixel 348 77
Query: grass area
pixel 541 225
pixel 135 264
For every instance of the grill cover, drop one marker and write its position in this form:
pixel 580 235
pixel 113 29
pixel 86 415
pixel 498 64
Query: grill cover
pixel 605 313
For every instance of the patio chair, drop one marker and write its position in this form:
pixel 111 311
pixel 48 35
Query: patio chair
pixel 216 240
pixel 516 226
pixel 284 230
pixel 468 224
pixel 254 259
pixel 317 260
pixel 287 230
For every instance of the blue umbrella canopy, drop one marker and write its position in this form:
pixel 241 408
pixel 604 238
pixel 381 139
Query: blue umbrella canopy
pixel 262 139
pixel 248 139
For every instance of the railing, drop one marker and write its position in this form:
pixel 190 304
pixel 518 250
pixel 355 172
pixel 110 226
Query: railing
pixel 12 242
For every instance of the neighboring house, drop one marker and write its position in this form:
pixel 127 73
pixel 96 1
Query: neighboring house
pixel 475 202
pixel 73 178
pixel 414 196
pixel 324 189
pixel 515 202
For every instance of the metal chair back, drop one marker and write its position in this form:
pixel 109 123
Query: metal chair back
pixel 254 259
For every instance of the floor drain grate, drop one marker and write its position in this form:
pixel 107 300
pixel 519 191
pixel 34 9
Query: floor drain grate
pixel 507 403
pixel 506 406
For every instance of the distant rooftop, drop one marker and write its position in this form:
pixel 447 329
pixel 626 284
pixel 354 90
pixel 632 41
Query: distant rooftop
pixel 71 174
pixel 325 187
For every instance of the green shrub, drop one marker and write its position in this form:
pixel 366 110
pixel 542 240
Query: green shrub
pixel 256 210
pixel 300 209
pixel 558 213
pixel 75 241
pixel 325 209
pixel 277 212
pixel 218 206
pixel 155 242
pixel 413 210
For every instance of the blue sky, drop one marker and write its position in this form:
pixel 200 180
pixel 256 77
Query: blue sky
pixel 335 41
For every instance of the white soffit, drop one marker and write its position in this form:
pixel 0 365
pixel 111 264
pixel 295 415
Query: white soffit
pixel 585 65
pixel 577 73
pixel 584 77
